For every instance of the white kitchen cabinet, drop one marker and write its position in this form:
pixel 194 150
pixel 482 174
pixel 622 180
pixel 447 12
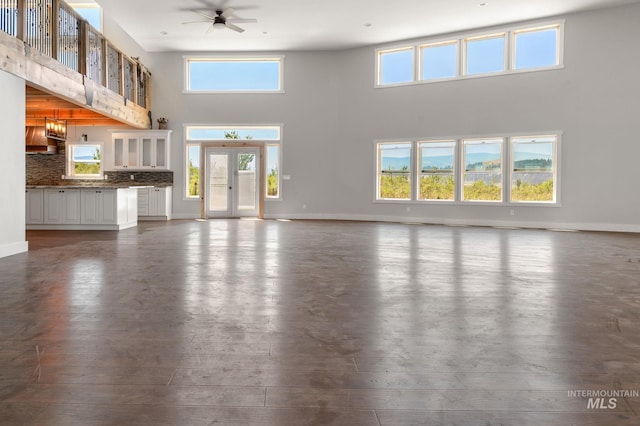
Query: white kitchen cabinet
pixel 131 198
pixel 155 203
pixel 85 208
pixel 125 152
pixel 110 206
pixel 35 205
pixel 154 152
pixel 141 150
pixel 62 206
pixel 99 206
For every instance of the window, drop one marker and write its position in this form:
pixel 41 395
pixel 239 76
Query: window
pixel 533 171
pixel 394 171
pixel 469 170
pixel 233 75
pixel 484 54
pixel 193 170
pixel 436 179
pixel 395 66
pixel 482 159
pixel 269 135
pixel 536 48
pixel 439 60
pixel 273 173
pixel 90 11
pixel 508 50
pixel 84 161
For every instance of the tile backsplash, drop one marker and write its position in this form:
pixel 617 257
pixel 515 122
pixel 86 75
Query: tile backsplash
pixel 48 169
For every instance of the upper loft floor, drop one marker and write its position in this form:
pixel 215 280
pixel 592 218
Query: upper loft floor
pixel 54 49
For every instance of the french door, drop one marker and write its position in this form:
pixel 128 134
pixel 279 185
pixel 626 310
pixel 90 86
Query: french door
pixel 232 182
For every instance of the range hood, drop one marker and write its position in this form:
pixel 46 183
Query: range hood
pixel 36 141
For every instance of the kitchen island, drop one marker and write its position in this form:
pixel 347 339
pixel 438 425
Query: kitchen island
pixel 109 208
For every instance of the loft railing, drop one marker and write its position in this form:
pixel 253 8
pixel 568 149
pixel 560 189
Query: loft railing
pixel 54 29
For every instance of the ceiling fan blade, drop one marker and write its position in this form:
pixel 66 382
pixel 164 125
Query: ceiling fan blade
pixel 209 29
pixel 204 15
pixel 234 28
pixel 227 12
pixel 242 21
pixel 196 22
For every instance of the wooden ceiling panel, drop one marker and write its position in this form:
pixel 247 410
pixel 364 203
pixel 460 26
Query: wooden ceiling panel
pixel 40 104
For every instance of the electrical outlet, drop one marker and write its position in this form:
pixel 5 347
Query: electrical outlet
pixel 106 177
pixel 132 177
pixel 512 212
pixel 304 206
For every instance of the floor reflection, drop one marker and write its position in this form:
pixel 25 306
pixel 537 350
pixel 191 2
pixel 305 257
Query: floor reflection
pixel 317 322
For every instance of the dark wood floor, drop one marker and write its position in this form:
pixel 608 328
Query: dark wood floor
pixel 240 322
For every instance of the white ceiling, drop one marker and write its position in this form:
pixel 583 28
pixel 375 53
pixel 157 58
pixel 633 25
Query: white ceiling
pixel 322 25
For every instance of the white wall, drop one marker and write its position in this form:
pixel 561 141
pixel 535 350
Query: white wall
pixel 12 166
pixel 332 114
pixel 306 110
pixel 594 101
pixel 122 40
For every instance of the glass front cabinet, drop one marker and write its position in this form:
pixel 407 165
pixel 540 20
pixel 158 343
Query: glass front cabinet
pixel 141 150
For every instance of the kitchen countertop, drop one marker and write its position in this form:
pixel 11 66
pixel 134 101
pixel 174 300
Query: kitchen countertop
pixel 114 186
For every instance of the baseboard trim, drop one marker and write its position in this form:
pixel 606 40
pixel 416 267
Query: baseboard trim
pixel 62 227
pixel 600 227
pixel 18 247
pixel 570 226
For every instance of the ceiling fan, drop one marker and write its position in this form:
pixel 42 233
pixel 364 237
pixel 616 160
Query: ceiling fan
pixel 222 18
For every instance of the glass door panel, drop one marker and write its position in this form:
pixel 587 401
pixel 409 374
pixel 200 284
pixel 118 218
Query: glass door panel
pixel 218 183
pixel 132 152
pixel 160 152
pixel 118 148
pixel 232 178
pixel 146 152
pixel 246 185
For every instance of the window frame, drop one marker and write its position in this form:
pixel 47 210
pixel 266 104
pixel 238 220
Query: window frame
pixel 410 172
pixel 555 168
pixel 188 59
pixel 433 44
pixel 510 32
pixel 501 141
pixel 190 144
pixel 69 163
pixel 559 45
pixel 278 170
pixel 197 142
pixel 419 174
pixel 379 70
pixel 506 48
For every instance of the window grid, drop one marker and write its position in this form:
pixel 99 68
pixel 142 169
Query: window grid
pixel 84 160
pixel 527 171
pixel 509 60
